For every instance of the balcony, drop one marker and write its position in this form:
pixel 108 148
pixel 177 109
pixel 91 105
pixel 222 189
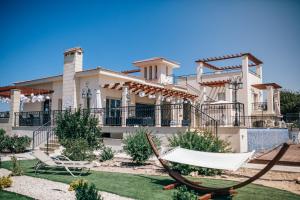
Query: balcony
pixel 260 106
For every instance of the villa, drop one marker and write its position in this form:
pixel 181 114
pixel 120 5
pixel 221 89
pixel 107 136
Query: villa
pixel 227 100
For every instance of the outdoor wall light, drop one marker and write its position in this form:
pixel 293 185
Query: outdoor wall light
pixel 141 94
pixel 86 93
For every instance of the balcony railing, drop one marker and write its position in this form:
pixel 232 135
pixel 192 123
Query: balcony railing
pixel 176 115
pixel 4 117
pixel 260 106
pixel 226 114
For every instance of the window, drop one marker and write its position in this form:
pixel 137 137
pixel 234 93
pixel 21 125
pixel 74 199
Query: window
pixel 145 72
pixel 221 96
pixel 113 108
pixel 150 73
pixel 155 72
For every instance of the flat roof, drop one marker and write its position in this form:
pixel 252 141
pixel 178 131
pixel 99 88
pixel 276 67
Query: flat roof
pixel 156 59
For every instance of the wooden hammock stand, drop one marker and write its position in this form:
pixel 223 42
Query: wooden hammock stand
pixel 210 192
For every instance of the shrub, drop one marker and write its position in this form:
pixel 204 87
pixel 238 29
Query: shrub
pixel 137 146
pixel 106 154
pixel 78 149
pixel 79 133
pixel 13 144
pixel 5 182
pixel 183 193
pixel 85 191
pixel 200 142
pixel 16 167
pixel 2 138
pixel 74 184
pixel 20 143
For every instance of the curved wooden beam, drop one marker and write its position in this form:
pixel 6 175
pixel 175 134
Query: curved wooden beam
pixel 215 191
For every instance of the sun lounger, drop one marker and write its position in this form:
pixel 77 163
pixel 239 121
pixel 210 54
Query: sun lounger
pixel 60 162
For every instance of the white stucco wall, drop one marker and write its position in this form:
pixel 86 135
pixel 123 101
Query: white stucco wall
pixel 235 136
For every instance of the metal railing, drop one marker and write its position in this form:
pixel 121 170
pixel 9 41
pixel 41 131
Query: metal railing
pixel 33 118
pixel 226 114
pixel 4 117
pixel 260 106
pixel 203 121
pixel 43 135
pixel 167 114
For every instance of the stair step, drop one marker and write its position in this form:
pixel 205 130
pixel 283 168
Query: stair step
pixel 53 141
pixel 49 149
pixel 55 145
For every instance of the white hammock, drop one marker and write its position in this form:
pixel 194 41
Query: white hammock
pixel 226 161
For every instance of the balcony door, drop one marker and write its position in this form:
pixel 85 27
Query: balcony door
pixel 113 112
pixel 46 111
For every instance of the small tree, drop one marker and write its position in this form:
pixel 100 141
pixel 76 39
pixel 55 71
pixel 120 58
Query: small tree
pixel 183 193
pixel 204 141
pixel 86 191
pixel 137 146
pixel 79 133
pixel 289 102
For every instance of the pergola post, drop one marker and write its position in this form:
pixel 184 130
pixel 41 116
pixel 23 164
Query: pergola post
pixel 270 100
pixel 174 115
pixel 124 105
pixel 158 110
pixel 15 95
pixel 278 101
pixel 180 112
pixel 193 115
pixel 199 71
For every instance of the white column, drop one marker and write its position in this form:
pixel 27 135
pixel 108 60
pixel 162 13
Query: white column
pixel 259 70
pixel 174 113
pixel 199 71
pixel 124 105
pixel 228 93
pixel 278 101
pixel 270 102
pixel 193 115
pixel 245 94
pixel 180 111
pixel 158 110
pixel 14 106
pixel 204 94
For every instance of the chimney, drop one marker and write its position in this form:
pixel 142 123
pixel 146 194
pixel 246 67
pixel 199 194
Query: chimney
pixel 72 63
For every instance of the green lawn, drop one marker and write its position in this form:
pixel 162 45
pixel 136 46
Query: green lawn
pixel 150 187
pixel 5 195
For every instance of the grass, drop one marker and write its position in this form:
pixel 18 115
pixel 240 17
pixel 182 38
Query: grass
pixel 12 196
pixel 150 187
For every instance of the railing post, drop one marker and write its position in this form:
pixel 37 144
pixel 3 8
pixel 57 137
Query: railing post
pixel 33 140
pixel 47 141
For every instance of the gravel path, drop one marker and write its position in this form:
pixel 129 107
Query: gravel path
pixel 43 189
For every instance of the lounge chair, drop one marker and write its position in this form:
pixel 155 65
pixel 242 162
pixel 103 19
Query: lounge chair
pixel 60 162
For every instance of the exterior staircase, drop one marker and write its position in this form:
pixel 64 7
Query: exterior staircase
pixel 53 145
pixel 45 139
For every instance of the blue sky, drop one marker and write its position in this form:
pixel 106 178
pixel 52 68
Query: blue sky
pixel 113 34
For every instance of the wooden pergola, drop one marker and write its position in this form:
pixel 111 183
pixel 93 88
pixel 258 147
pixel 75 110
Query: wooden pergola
pixel 220 83
pixel 255 61
pixel 263 86
pixel 135 88
pixel 27 91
